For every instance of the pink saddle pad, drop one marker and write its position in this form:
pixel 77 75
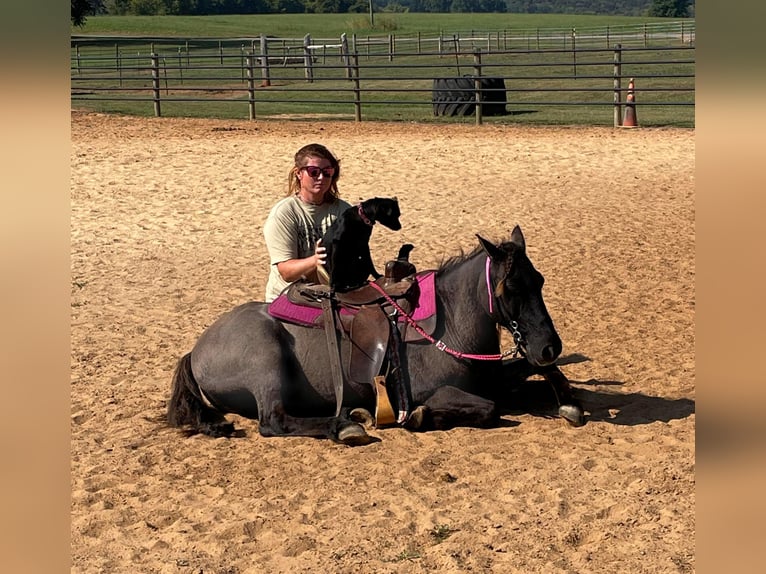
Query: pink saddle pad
pixel 284 309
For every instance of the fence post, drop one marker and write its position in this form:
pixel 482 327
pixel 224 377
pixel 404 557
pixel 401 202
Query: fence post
pixel 344 54
pixel 477 83
pixel 457 58
pixel 165 74
pixel 220 51
pixel 357 90
pixel 251 85
pixel 607 37
pixel 265 76
pixel 180 68
pixel 390 47
pixel 156 83
pixel 308 63
pixel 574 52
pixel 118 59
pixel 188 60
pixel 242 53
pixel 616 81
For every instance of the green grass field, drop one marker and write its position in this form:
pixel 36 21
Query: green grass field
pixel 332 25
pixel 536 81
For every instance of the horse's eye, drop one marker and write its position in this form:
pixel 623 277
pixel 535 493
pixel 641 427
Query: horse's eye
pixel 511 287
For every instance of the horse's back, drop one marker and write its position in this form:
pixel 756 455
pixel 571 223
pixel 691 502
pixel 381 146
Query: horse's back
pixel 236 326
pixel 224 357
pixel 247 359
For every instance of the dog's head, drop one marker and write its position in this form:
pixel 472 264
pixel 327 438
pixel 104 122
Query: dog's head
pixel 384 210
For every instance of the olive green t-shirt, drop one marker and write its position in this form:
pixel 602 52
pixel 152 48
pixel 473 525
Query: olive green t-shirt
pixel 291 232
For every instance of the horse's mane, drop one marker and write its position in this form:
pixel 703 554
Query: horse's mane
pixel 456 260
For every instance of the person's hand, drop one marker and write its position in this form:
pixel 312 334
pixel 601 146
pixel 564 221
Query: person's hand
pixel 320 255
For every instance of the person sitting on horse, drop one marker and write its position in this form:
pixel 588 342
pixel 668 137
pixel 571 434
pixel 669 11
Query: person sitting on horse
pixel 296 223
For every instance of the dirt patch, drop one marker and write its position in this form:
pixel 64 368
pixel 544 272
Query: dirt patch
pixel 166 235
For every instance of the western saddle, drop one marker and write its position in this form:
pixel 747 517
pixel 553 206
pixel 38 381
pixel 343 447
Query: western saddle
pixel 363 329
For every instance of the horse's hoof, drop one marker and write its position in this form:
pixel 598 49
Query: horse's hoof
pixel 363 417
pixel 572 414
pixel 353 434
pixel 416 418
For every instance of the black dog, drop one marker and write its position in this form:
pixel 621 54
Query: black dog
pixel 349 262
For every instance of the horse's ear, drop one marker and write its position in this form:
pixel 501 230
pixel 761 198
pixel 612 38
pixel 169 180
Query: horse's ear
pixel 517 238
pixel 494 252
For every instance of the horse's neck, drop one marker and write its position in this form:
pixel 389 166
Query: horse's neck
pixel 464 297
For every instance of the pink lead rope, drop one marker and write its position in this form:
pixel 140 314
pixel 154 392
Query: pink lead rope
pixel 489 286
pixel 440 344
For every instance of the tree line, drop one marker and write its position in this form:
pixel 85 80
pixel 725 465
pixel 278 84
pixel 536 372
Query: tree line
pixel 81 9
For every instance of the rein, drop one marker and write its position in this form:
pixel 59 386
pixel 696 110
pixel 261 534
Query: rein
pixel 514 352
pixel 363 216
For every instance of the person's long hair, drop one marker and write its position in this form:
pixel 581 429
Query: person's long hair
pixel 301 159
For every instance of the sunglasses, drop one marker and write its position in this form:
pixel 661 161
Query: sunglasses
pixel 314 171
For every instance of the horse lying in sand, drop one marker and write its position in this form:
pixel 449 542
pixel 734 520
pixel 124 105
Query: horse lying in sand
pixel 259 367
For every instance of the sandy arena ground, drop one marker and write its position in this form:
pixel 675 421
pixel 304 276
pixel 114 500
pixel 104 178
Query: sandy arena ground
pixel 166 236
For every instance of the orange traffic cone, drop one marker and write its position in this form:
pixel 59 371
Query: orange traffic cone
pixel 630 120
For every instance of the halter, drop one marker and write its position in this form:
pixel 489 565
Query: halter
pixel 513 325
pixel 363 216
pixel 442 346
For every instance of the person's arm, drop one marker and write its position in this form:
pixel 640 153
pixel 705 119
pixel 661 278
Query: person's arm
pixel 293 269
pixel 281 235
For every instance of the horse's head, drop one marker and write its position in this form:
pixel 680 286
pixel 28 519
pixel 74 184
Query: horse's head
pixel 516 300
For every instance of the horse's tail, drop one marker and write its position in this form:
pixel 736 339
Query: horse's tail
pixel 187 408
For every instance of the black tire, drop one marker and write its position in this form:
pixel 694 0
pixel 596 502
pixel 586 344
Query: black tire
pixel 466 109
pixel 456 96
pixel 494 97
pixel 453 96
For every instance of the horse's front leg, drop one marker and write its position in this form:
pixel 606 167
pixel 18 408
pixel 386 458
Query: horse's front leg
pixel 451 407
pixel 570 408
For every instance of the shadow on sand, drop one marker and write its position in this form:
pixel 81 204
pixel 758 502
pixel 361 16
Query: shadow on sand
pixel 536 397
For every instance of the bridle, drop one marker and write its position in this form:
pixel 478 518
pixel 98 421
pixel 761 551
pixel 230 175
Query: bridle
pixel 505 317
pixel 512 326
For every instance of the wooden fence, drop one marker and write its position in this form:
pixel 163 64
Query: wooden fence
pixel 390 77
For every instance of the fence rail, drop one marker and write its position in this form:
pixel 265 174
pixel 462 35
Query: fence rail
pixel 389 77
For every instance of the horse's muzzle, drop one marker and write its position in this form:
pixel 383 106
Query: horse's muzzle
pixel 550 353
pixel 547 354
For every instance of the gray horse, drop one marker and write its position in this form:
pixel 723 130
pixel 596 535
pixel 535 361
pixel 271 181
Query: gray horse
pixel 259 367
